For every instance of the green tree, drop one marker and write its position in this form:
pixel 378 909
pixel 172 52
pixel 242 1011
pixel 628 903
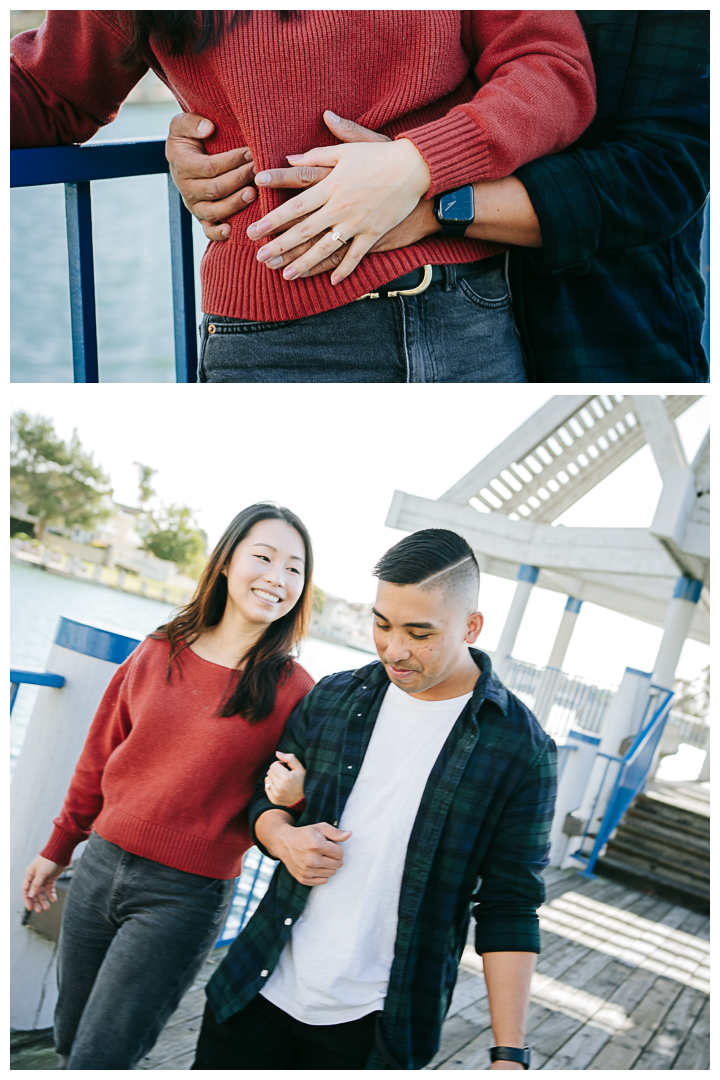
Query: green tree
pixel 147 491
pixel 692 696
pixel 171 533
pixel 58 482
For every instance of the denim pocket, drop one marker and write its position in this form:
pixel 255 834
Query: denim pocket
pixel 489 290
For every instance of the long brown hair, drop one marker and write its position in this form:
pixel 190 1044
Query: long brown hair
pixel 179 30
pixel 269 661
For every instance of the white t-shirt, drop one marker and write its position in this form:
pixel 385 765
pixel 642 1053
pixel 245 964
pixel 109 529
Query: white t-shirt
pixel 336 965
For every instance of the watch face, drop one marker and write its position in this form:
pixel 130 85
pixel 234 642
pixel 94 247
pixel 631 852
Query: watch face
pixel 458 205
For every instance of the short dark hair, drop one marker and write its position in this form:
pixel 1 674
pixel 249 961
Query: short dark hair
pixel 437 558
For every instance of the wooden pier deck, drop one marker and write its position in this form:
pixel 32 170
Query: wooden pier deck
pixel 622 983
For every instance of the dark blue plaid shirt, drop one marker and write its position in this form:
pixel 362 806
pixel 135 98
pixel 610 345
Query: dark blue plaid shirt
pixel 616 293
pixel 481 834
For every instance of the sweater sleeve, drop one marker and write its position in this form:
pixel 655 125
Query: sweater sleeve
pixel 650 173
pixel 110 727
pixel 293 741
pixel 536 96
pixel 65 78
pixel 512 888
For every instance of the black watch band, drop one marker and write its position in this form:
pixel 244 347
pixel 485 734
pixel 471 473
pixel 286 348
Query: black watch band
pixel 456 223
pixel 511 1053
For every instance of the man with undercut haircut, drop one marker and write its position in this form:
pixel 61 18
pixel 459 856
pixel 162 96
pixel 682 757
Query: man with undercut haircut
pixel 429 789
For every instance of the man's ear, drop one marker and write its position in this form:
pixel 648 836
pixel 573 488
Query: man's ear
pixel 475 625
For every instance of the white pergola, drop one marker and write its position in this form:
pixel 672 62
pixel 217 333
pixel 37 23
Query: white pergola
pixel 506 505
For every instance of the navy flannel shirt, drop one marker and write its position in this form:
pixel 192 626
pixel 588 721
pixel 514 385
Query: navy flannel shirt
pixel 616 292
pixel 480 835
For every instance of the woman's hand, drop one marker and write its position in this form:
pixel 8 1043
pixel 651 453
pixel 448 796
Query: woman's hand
pixel 38 885
pixel 284 786
pixel 213 186
pixel 371 189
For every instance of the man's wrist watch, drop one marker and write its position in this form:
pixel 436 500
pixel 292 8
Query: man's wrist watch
pixel 511 1053
pixel 455 210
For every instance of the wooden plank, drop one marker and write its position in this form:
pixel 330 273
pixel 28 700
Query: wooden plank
pixel 624 1048
pixel 666 1044
pixel 457 1033
pixel 695 1053
pixel 694 923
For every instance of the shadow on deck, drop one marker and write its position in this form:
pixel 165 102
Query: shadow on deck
pixel 622 983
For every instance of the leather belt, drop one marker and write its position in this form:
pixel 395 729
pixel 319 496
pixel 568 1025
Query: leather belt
pixel 417 281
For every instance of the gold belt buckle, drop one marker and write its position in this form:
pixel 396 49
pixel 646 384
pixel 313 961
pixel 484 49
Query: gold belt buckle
pixel 424 284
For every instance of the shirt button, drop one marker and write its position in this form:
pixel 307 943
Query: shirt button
pixel 349 766
pixel 288 922
pixel 264 973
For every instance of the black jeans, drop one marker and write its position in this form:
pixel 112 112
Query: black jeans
pixel 261 1036
pixel 134 935
pixel 458 330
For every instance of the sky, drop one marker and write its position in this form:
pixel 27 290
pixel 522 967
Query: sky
pixel 335 454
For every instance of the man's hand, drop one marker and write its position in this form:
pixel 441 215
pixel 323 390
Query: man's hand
pixel 417 225
pixel 38 887
pixel 311 853
pixel 213 186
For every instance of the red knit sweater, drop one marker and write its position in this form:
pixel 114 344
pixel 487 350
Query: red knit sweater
pixel 161 775
pixel 479 93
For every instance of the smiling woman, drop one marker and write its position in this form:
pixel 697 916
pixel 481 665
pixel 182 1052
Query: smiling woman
pixel 178 743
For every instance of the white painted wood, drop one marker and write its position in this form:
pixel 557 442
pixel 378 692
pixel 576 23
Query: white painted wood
pixel 660 432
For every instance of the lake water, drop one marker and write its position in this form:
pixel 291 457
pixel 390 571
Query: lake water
pixel 38 599
pixel 132 270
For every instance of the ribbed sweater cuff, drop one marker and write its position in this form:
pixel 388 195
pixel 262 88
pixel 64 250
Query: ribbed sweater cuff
pixel 508 934
pixel 455 149
pixel 60 847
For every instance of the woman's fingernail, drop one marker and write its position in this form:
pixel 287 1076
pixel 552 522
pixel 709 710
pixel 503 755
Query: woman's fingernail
pixel 204 127
pixel 331 114
pixel 248 195
pixel 248 155
pixel 225 232
pixel 289 273
pixel 295 157
pixel 274 263
pixel 264 254
pixel 335 279
pixel 257 229
pixel 263 178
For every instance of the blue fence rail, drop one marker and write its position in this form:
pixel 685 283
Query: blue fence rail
pixel 36 678
pixel 633 770
pixel 76 167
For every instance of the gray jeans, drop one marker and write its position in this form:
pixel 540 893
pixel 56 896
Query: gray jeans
pixel 458 330
pixel 134 935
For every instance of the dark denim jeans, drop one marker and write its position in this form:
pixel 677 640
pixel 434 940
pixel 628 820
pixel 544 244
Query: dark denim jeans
pixel 456 331
pixel 134 935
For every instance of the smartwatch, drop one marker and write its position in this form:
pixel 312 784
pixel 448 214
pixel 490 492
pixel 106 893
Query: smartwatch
pixel 455 210
pixel 511 1053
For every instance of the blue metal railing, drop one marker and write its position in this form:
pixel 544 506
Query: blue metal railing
pixel 76 167
pixel 37 678
pixel 632 774
pixel 250 888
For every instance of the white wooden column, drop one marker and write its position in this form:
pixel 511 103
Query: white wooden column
pixel 565 631
pixel 526 578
